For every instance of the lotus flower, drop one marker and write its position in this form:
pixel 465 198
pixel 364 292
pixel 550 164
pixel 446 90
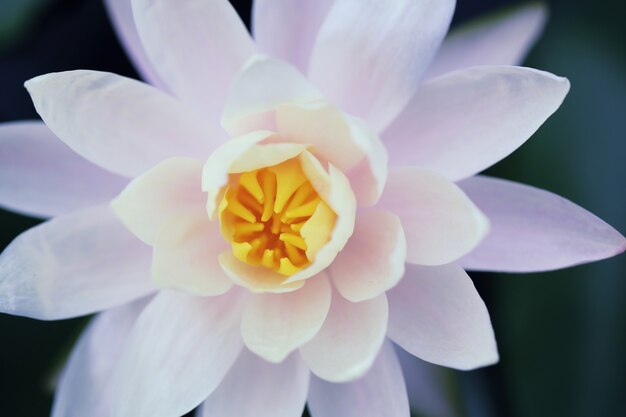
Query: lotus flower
pixel 264 218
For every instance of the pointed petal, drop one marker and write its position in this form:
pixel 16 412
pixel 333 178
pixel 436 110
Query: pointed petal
pixel 41 176
pixel 273 325
pixel 373 260
pixel 349 340
pixel 123 125
pixel 73 265
pixel 440 223
pixel 535 230
pixel 177 354
pixel 379 393
pixel 370 55
pixel 466 121
pixel 196 47
pixel 436 314
pixel 255 388
pixel 501 38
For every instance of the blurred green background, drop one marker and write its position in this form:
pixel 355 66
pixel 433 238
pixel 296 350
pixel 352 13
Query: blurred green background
pixel 562 335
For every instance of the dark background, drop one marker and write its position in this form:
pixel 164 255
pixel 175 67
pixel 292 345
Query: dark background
pixel 562 335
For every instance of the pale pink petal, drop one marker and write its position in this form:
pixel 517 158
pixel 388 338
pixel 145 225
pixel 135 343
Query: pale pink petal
pixel 121 15
pixel 464 122
pixel 255 388
pixel 535 230
pixel 73 265
pixel 196 47
pixel 186 254
pixel 436 314
pixel 120 124
pixel 440 223
pixel 41 176
pixel 348 342
pixel 273 325
pixel 501 38
pixel 370 55
pixel 287 29
pixel 170 189
pixel 177 354
pixel 85 385
pixel 379 393
pixel 373 260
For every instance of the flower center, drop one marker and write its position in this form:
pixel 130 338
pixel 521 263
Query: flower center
pixel 274 218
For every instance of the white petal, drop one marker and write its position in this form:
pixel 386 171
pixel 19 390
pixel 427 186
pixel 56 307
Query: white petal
pixel 287 29
pixel 85 386
pixel 440 223
pixel 349 340
pixel 41 176
pixel 501 38
pixel 370 55
pixel 535 230
pixel 73 265
pixel 185 257
pixel 373 260
pixel 120 124
pixel 255 388
pixel 379 393
pixel 436 314
pixel 466 121
pixel 273 325
pixel 170 189
pixel 177 354
pixel 196 46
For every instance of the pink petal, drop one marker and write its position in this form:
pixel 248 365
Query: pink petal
pixel 255 388
pixel 123 125
pixel 501 38
pixel 379 393
pixel 440 223
pixel 85 386
pixel 436 314
pixel 464 122
pixel 373 260
pixel 73 265
pixel 535 230
pixel 273 325
pixel 196 47
pixel 287 29
pixel 170 189
pixel 177 354
pixel 370 55
pixel 348 342
pixel 41 176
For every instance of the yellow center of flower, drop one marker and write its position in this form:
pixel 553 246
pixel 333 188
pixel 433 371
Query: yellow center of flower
pixel 274 218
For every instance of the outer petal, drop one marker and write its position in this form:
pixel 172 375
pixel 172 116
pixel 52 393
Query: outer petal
pixel 73 265
pixel 255 388
pixel 464 122
pixel 373 260
pixel 41 176
pixel 120 124
pixel 349 341
pixel 171 188
pixel 436 314
pixel 440 223
pixel 535 230
pixel 379 393
pixel 273 325
pixel 85 385
pixel 177 354
pixel 370 54
pixel 501 38
pixel 196 46
pixel 287 29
